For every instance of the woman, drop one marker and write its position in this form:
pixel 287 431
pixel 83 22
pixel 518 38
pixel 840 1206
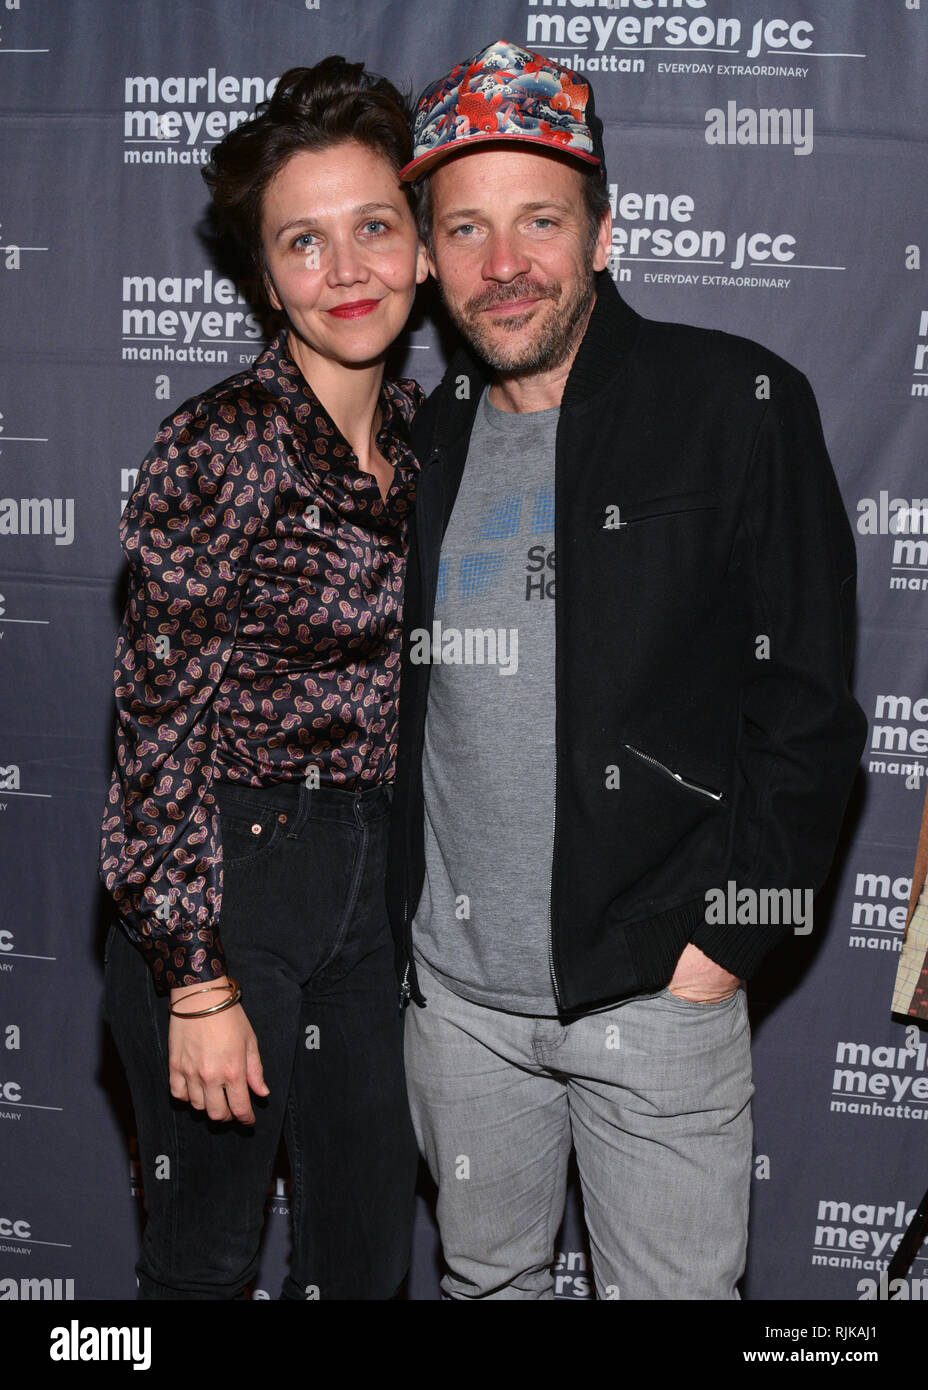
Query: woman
pixel 256 686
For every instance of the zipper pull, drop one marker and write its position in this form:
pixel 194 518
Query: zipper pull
pixel 405 989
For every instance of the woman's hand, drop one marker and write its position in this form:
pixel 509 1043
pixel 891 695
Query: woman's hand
pixel 213 1061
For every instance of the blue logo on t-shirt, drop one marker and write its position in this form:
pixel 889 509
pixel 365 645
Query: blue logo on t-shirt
pixel 478 570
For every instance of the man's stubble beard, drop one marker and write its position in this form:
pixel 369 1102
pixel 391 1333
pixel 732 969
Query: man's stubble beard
pixel 542 353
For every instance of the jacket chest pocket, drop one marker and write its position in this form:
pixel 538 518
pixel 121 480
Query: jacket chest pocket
pixel 616 515
pixel 672 549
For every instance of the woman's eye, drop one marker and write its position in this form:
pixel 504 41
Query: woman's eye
pixel 304 241
pixel 374 225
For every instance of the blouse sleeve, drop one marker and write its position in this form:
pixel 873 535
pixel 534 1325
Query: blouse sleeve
pixel 185 531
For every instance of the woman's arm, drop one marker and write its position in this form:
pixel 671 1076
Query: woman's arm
pixel 185 531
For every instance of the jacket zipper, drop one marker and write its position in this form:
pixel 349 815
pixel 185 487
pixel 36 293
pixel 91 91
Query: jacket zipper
pixel 405 987
pixel 557 997
pixel 405 993
pixel 557 592
pixel 677 777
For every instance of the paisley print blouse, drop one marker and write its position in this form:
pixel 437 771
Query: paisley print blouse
pixel 261 638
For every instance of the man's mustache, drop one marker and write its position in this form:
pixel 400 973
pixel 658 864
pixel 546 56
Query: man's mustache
pixel 526 288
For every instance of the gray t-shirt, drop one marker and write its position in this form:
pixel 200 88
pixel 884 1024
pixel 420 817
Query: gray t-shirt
pixel 483 921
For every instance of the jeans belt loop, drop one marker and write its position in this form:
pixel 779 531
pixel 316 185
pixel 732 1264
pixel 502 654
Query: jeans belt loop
pixel 304 805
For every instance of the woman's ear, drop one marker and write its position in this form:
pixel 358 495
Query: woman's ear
pixel 270 291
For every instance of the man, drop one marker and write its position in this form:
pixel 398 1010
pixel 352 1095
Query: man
pixel 586 767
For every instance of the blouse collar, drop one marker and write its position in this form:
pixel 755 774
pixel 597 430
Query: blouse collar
pixel 282 378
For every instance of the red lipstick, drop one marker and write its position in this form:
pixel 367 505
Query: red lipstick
pixel 355 310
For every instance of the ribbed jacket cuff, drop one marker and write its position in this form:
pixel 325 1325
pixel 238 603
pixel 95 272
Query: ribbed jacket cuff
pixel 656 943
pixel 738 948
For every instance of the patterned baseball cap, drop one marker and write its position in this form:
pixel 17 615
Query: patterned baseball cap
pixel 505 93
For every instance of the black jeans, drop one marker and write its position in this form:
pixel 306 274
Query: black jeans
pixel 304 927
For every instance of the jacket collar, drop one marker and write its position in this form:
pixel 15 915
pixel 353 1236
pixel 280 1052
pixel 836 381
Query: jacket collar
pixel 609 337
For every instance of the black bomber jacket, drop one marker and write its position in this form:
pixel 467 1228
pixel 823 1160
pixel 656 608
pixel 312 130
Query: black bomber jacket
pixel 704 617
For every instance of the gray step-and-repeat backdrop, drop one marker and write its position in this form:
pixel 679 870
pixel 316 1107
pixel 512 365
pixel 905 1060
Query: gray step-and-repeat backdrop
pixel 768 177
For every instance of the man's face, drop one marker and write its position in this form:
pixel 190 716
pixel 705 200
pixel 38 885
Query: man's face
pixel 512 254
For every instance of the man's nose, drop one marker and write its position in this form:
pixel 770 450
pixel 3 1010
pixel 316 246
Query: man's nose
pixel 505 258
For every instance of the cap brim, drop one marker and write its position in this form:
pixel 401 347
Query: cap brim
pixel 425 162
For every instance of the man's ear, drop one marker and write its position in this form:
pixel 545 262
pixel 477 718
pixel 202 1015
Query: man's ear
pixel 603 247
pixel 423 263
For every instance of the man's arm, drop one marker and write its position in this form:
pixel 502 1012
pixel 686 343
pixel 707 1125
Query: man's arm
pixel 801 731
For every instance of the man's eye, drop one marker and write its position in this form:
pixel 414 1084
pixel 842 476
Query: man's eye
pixel 463 230
pixel 544 222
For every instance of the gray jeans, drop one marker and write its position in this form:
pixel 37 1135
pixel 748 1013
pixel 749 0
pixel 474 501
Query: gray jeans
pixel 654 1095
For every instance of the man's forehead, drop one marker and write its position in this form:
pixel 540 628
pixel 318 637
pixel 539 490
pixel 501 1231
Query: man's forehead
pixel 532 175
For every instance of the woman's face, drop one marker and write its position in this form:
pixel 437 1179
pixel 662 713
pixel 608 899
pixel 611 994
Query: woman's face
pixel 341 250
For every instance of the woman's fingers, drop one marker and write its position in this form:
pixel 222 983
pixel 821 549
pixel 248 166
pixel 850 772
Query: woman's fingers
pixel 254 1072
pixel 212 1062
pixel 239 1101
pixel 178 1084
pixel 217 1107
pixel 195 1093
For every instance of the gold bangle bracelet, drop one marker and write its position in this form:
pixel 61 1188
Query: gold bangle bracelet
pixel 235 994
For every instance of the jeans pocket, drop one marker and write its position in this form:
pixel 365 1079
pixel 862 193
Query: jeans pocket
pixel 248 833
pixel 700 1004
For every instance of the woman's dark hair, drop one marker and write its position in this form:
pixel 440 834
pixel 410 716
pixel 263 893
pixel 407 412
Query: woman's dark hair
pixel 310 109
